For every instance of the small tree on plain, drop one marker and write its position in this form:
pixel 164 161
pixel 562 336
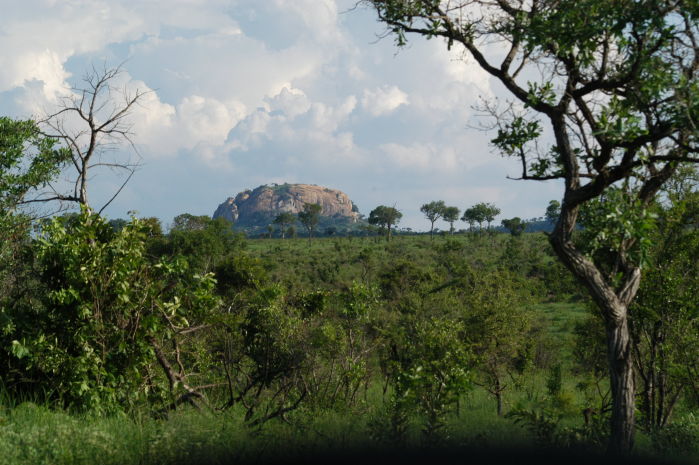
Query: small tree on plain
pixel 309 218
pixel 433 211
pixel 470 216
pixel 450 215
pixel 490 211
pixel 385 217
pixel 284 219
pixel 515 225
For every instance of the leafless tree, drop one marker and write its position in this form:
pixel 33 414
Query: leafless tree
pixel 93 122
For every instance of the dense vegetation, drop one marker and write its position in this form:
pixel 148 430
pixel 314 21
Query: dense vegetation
pixel 197 343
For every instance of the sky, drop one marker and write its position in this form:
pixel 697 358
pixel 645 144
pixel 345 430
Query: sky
pixel 248 92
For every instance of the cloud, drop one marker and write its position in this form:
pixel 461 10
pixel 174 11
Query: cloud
pixel 291 102
pixel 383 100
pixel 421 157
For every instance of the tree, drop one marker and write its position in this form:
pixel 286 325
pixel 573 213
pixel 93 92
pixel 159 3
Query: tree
pixel 93 122
pixel 450 214
pixel 203 241
pixel 107 317
pixel 28 160
pixel 385 217
pixel 664 316
pixel 481 213
pixel 284 219
pixel 616 84
pixel 189 222
pixel 500 329
pixel 553 211
pixel 433 211
pixel 490 211
pixel 309 218
pixel 471 217
pixel 515 225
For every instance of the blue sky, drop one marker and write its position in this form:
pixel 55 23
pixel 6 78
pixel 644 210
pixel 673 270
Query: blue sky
pixel 250 92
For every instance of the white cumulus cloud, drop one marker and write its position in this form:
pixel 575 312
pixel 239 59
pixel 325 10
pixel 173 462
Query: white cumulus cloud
pixel 383 100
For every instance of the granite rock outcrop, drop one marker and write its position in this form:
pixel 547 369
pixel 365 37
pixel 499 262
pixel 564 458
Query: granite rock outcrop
pixel 259 205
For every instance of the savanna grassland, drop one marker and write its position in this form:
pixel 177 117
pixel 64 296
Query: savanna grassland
pixel 128 345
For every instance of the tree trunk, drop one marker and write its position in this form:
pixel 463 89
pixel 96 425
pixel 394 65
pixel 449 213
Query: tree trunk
pixel 498 397
pixel 613 303
pixel 622 386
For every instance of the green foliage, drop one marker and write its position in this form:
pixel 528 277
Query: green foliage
pixel 90 339
pixel 385 217
pixel 28 160
pixel 204 241
pixel 480 213
pixel 309 217
pixel 284 220
pixel 433 211
pixel 553 211
pixel 515 225
pixel 618 222
pixel 428 367
pixel 513 138
pixel 450 215
pixel 680 439
pixel 499 328
pixel 547 426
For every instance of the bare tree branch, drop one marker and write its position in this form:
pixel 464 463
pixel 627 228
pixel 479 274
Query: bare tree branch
pixel 92 122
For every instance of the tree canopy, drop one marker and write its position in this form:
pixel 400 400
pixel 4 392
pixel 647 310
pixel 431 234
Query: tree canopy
pixel 385 217
pixel 284 219
pixel 28 160
pixel 309 217
pixel 433 211
pixel 515 225
pixel 450 215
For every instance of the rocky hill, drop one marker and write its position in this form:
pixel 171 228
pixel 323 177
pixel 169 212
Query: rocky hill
pixel 254 209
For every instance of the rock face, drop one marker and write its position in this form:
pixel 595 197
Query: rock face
pixel 260 205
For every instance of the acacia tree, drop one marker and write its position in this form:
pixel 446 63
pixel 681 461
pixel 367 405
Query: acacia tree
pixel 471 216
pixel 385 217
pixel 490 211
pixel 450 215
pixel 93 123
pixel 616 84
pixel 433 211
pixel 309 218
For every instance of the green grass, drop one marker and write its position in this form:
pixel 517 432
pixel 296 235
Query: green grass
pixel 561 319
